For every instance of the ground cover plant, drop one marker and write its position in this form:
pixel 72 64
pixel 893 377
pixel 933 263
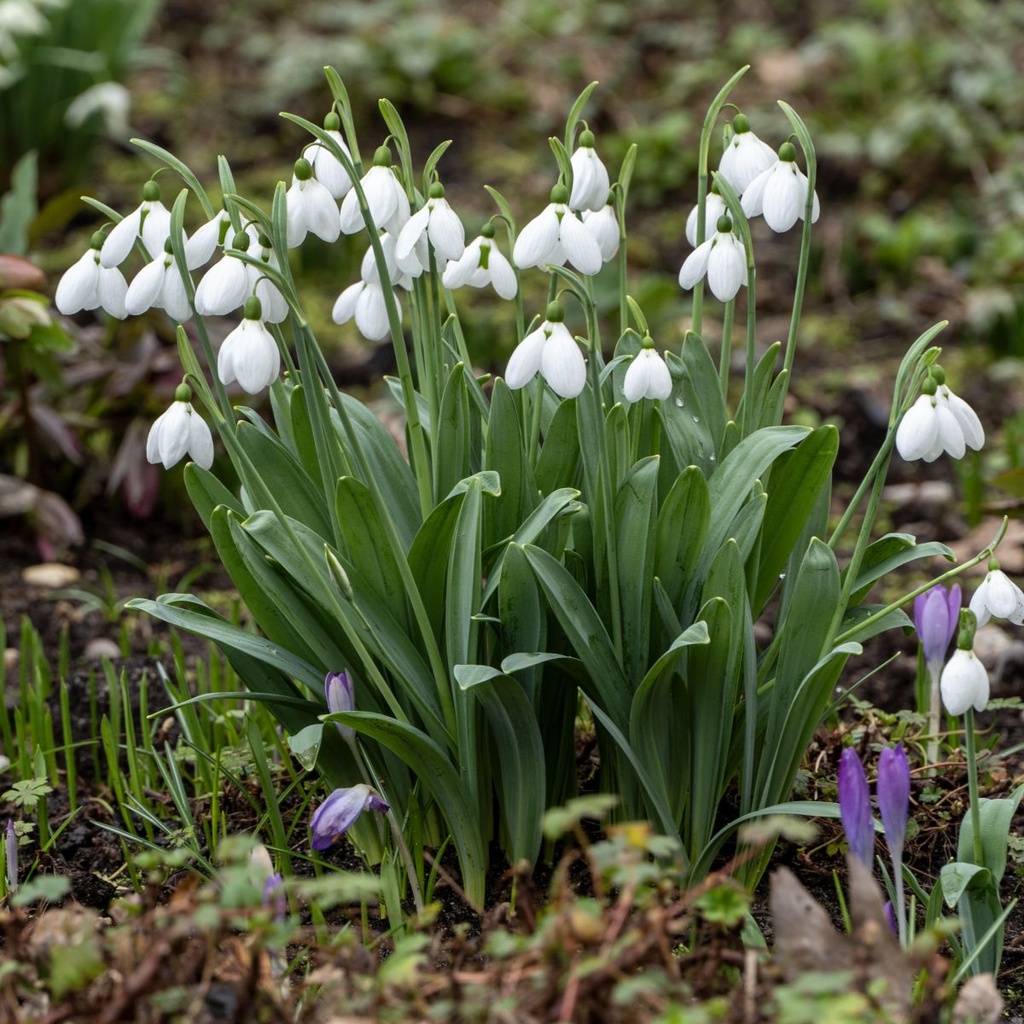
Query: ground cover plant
pixel 512 608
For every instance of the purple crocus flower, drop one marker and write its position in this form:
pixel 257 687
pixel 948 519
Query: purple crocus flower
pixel 894 796
pixel 338 813
pixel 340 693
pixel 936 614
pixel 274 897
pixel 855 807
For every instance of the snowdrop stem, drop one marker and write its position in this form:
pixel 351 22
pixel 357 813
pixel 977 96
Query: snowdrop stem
pixel 878 468
pixel 751 415
pixel 282 345
pixel 725 358
pixel 934 714
pixel 421 343
pixel 971 755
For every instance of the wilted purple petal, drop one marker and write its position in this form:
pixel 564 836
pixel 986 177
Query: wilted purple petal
pixel 338 813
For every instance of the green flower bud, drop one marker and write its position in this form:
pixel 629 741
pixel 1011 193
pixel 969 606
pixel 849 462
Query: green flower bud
pixel 555 313
pixel 303 169
pixel 740 124
pixel 724 224
pixel 587 139
pixel 928 386
pixel 938 374
pixel 332 123
pixel 382 157
pixel 436 191
pixel 559 194
pixel 787 152
pixel 96 242
pixel 183 393
pixel 151 192
pixel 240 241
pixel 487 230
pixel 252 310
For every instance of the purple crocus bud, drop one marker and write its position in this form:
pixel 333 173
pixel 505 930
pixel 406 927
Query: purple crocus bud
pixel 340 693
pixel 936 614
pixel 338 813
pixel 855 807
pixel 890 916
pixel 274 897
pixel 894 796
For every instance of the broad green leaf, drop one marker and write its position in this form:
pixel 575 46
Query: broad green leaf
pixel 305 745
pixel 505 453
pixel 435 772
pixel 703 398
pixel 451 454
pixel 756 392
pixel 889 553
pixel 796 479
pixel 428 556
pixel 523 625
pixel 996 818
pixel 684 422
pixel 462 597
pixel 207 492
pixel 558 463
pixel 855 626
pixel 683 524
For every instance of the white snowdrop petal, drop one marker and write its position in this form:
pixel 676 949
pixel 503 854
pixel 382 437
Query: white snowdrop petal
pixel 714 207
pixel 327 168
pixel 372 313
pixel 695 265
pixel 727 269
pixel 459 271
pixel 1001 596
pixel 447 235
pixel 345 305
pixel 78 288
pixel 503 277
pixel 590 184
pixel 273 303
pixel 351 217
pixel 525 360
pixel 394 224
pixel 604 226
pixel 634 384
pixel 118 244
pixel 950 434
pixel 970 425
pixel 224 287
pixel 581 248
pixel 745 157
pixel 752 202
pixel 201 246
pixel 379 186
pixel 144 291
pixel 535 242
pixel 410 233
pixel 979 604
pixel 295 209
pixel 173 296
pixel 918 430
pixel 112 291
pixel 783 199
pixel 964 683
pixel 322 212
pixel 175 433
pixel 562 364
pixel 156 228
pixel 200 445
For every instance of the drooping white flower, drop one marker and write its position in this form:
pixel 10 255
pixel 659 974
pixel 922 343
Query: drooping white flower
pixel 365 300
pixel 556 235
pixel 203 243
pixel 111 100
pixel 310 207
pixel 999 597
pixel 385 198
pixel 150 221
pixel 87 284
pixel 158 285
pixel 230 281
pixel 179 431
pixel 964 683
pixel 745 156
pixel 648 375
pixel 603 224
pixel 249 354
pixel 938 422
pixel 589 177
pixel 435 223
pixel 780 193
pixel 722 258
pixel 482 264
pixel 714 207
pixel 327 168
pixel 552 351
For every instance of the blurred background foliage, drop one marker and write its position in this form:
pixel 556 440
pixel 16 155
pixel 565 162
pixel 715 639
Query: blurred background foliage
pixel 916 108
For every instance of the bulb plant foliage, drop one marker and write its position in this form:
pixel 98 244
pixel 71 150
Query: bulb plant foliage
pixel 605 525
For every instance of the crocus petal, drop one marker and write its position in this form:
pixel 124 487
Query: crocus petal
pixel 855 807
pixel 893 788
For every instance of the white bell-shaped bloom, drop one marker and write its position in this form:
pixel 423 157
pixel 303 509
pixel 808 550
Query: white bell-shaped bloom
pixel 327 168
pixel 780 193
pixel 722 258
pixel 310 207
pixel 224 287
pixel 556 235
pixel 998 597
pixel 365 300
pixel 964 683
pixel 603 224
pixel 204 242
pixel 647 377
pixel 937 423
pixel 589 176
pixel 482 264
pixel 714 207
pixel 177 432
pixel 249 354
pixel 745 156
pixel 150 221
pixel 552 351
pixel 158 285
pixel 87 284
pixel 435 223
pixel 385 198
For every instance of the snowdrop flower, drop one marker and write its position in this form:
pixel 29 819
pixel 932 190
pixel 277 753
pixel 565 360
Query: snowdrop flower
pixel 482 264
pixel 178 431
pixel 603 224
pixel 999 597
pixel 589 177
pixel 364 300
pixel 88 284
pixel 158 285
pixel 556 235
pixel 201 245
pixel 964 683
pixel 110 100
pixel 745 156
pixel 938 422
pixel 338 813
pixel 780 193
pixel 327 168
pixel 150 221
pixel 249 354
pixel 437 223
pixel 714 208
pixel 724 260
pixel 647 376
pixel 385 198
pixel 227 284
pixel 553 351
pixel 311 207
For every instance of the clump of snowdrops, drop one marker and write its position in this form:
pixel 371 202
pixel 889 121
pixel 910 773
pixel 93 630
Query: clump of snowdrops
pixel 594 534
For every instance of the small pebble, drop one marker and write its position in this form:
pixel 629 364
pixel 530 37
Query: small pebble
pixel 50 575
pixel 102 647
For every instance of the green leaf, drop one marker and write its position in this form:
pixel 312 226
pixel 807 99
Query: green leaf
pixel 505 453
pixel 957 877
pixel 889 553
pixel 683 524
pixel 558 463
pixel 452 456
pixel 18 206
pixel 439 778
pixel 996 817
pixel 305 745
pixel 207 493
